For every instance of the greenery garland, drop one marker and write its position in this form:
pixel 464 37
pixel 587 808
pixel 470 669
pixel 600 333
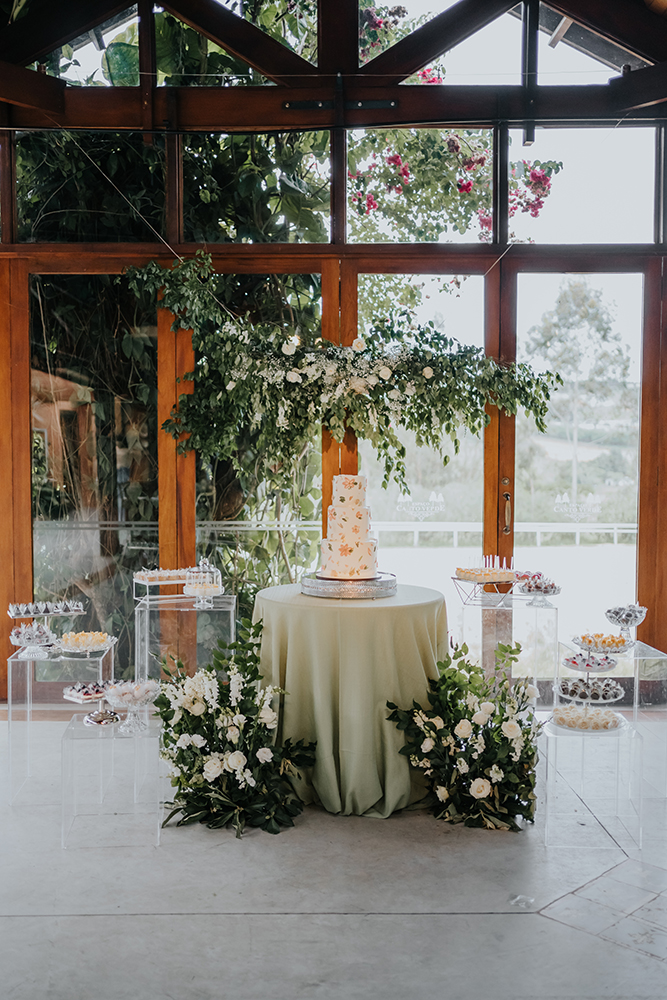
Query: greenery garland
pixel 218 738
pixel 265 379
pixel 476 743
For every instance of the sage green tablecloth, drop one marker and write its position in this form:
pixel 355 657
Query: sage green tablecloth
pixel 340 662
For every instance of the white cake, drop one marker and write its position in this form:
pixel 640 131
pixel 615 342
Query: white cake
pixel 348 553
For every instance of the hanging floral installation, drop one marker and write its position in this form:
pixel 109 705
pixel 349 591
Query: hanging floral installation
pixel 399 375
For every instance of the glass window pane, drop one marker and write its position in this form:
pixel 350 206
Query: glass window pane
pixel 89 187
pixel 419 185
pixel 256 188
pixel 569 53
pixel 257 533
pixel 424 536
pixel 105 56
pixel 576 485
pixel 186 58
pixel 603 193
pixel 94 431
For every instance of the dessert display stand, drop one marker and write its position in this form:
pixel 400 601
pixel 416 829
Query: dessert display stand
pixel 606 771
pixel 36 711
pixel 179 626
pixel 112 786
pixel 641 672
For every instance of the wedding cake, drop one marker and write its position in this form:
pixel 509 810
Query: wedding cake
pixel 348 553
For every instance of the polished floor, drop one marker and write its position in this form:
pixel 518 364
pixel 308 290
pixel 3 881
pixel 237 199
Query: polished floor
pixel 337 908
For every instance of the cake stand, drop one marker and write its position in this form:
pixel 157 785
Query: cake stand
pixel 382 585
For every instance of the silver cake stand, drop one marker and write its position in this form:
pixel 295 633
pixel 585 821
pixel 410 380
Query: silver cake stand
pixel 382 585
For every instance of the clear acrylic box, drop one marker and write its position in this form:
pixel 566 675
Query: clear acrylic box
pixel 169 626
pixel 37 712
pixel 595 787
pixel 113 786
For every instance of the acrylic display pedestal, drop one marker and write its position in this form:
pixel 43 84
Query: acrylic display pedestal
pixel 37 712
pixel 172 626
pixel 594 787
pixel 112 786
pixel 508 620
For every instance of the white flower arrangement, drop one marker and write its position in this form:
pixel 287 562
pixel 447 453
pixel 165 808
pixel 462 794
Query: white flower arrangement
pixel 218 738
pixel 481 769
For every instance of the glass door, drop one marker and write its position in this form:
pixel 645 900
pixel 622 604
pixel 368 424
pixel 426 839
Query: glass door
pixel 576 489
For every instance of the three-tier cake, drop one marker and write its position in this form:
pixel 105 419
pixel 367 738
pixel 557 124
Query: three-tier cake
pixel 348 552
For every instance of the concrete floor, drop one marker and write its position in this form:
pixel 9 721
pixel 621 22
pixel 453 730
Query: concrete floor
pixel 337 908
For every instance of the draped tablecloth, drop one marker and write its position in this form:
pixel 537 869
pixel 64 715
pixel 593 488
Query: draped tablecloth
pixel 340 661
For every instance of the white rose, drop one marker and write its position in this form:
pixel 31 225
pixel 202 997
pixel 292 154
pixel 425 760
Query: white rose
pixel 184 741
pixel 293 376
pixel 264 755
pixel 288 348
pixel 427 745
pixel 409 390
pixel 496 773
pixel 212 768
pixel 197 708
pixel 437 722
pixel 487 707
pixel 268 718
pixel 427 372
pixel 464 729
pixel 359 344
pixel 511 729
pixel 480 718
pixel 238 719
pixel 230 386
pixel 385 373
pixel 394 394
pixel 532 691
pixel 233 734
pixel 442 793
pixel 357 384
pixel 462 766
pixel 237 760
pixel 198 741
pixel 372 379
pixel 480 788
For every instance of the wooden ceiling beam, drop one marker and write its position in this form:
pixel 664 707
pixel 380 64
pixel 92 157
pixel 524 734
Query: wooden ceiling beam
pixel 259 109
pixel 48 25
pixel 643 88
pixel 438 35
pixel 28 89
pixel 627 23
pixel 245 41
pixel 337 36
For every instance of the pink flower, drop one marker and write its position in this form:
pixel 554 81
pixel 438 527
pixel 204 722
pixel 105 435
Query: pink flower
pixel 465 187
pixel 485 220
pixel 394 160
pixel 371 203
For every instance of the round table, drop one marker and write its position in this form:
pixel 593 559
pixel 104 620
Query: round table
pixel 340 661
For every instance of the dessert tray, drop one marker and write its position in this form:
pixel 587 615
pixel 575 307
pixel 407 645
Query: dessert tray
pixel 46 609
pixel 581 718
pixel 132 697
pixel 599 643
pixel 34 639
pixel 383 585
pixel 82 693
pixel 590 663
pixel 497 586
pixel 593 692
pixel 85 643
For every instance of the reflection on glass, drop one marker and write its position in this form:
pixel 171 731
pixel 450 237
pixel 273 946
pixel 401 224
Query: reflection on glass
pixel 602 194
pixel 257 531
pixel 426 535
pixel 89 187
pixel 576 485
pixel 94 462
pixel 256 188
pixel 419 185
pixel 105 56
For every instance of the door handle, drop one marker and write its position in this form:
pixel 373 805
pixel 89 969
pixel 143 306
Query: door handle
pixel 508 513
